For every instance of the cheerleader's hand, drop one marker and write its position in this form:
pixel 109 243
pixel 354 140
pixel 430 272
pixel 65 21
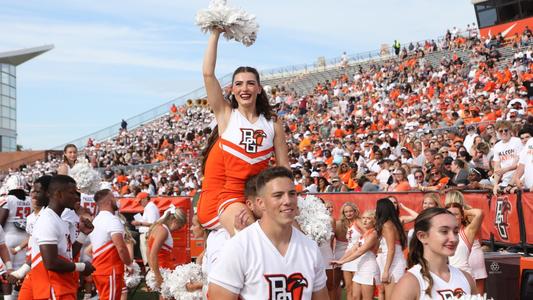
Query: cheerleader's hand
pixel 158 280
pixel 385 277
pixel 336 263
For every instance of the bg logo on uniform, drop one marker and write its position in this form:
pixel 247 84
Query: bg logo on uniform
pixel 251 139
pixel 502 210
pixel 451 295
pixel 281 287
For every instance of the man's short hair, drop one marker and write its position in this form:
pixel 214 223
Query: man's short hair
pixel 504 124
pixel 101 194
pixel 270 174
pixel 44 181
pixel 59 182
pixel 249 187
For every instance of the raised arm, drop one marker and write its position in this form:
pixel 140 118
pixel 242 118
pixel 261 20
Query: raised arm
pixel 409 218
pixel 215 98
pixel 476 215
pixel 280 145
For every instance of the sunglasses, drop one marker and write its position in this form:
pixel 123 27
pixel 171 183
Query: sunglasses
pixel 419 177
pixel 506 130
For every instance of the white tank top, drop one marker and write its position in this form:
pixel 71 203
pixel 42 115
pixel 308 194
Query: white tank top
pixel 462 253
pixel 456 287
pixel 246 140
pixel 169 242
pixel 352 235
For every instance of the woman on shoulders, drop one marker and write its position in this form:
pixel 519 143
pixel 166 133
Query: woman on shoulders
pixel 430 276
pixel 249 132
pixel 70 156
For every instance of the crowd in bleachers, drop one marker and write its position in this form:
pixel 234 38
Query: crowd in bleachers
pixel 398 125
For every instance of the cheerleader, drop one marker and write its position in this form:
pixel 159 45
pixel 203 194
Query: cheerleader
pixel 160 242
pixel 70 156
pixel 467 234
pixel 350 221
pixel 365 257
pixel 476 260
pixel 430 276
pixel 326 249
pixel 392 241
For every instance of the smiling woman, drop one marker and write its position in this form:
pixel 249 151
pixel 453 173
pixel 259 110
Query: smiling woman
pixel 249 133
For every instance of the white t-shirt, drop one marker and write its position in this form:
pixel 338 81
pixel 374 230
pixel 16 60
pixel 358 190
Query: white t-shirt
pixel 51 229
pixel 214 245
pixel 150 214
pixel 526 159
pixel 507 155
pixel 250 266
pixel 73 221
pixel 105 225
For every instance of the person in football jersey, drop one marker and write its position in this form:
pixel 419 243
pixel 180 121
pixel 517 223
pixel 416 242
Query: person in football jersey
pixel 53 269
pixel 249 136
pixel 430 276
pixel 39 198
pixel 275 260
pixel 160 242
pixel 14 209
pixel 70 156
pixel 110 253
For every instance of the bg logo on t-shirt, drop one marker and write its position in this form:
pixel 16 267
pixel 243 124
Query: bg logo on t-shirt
pixel 251 139
pixel 451 295
pixel 281 287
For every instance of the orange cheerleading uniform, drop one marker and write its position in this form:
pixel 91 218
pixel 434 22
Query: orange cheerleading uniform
pixel 212 184
pixel 246 149
pixel 108 276
pixel 165 255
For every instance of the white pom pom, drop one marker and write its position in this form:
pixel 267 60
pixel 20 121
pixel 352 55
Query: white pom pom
pixel 87 179
pixel 236 23
pixel 174 285
pixel 150 279
pixel 134 278
pixel 314 219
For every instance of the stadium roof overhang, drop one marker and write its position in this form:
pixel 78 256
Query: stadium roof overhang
pixel 18 57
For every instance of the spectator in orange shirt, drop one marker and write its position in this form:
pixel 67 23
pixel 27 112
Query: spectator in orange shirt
pixel 400 183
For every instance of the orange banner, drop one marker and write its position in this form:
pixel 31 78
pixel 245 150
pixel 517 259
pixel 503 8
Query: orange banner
pixel 182 238
pixel 527 206
pixel 504 219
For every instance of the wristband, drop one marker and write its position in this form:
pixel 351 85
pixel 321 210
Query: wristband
pixel 17 249
pixel 9 265
pixel 82 237
pixel 21 272
pixel 80 267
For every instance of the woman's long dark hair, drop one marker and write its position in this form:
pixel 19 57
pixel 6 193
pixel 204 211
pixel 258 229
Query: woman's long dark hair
pixel 65 159
pixel 262 105
pixel 416 249
pixel 385 211
pixel 213 137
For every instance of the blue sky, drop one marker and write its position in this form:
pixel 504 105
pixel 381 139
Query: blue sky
pixel 115 59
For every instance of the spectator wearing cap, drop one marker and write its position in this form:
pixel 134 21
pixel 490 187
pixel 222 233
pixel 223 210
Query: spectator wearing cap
pixel 336 186
pixel 477 180
pixel 447 167
pixel 150 216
